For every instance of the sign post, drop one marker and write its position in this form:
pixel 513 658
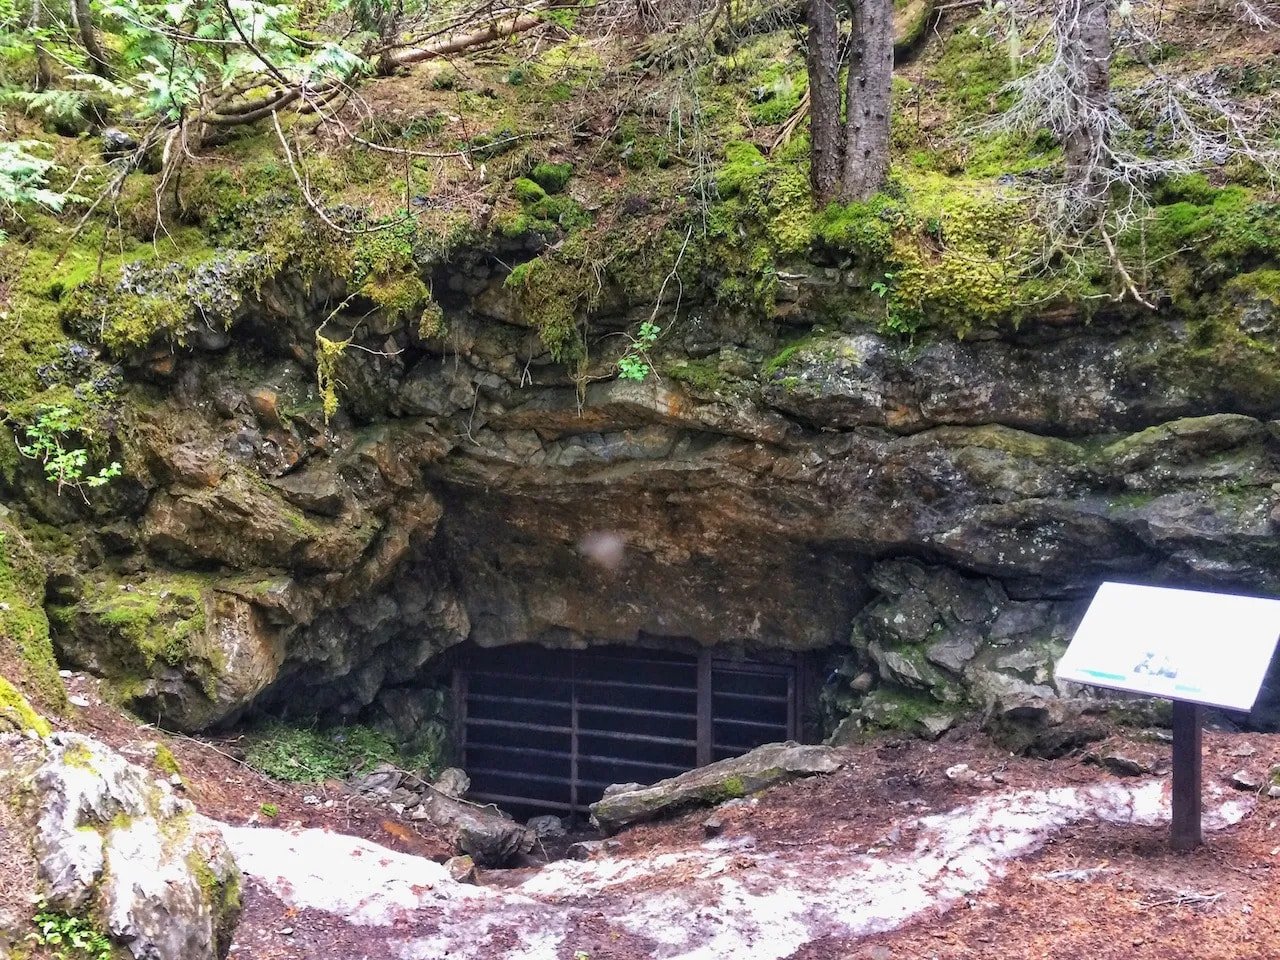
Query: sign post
pixel 1187 726
pixel 1196 649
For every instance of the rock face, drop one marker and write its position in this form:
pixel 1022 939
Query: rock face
pixel 934 514
pixel 715 783
pixel 113 844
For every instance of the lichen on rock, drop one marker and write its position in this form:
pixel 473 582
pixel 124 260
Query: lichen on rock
pixel 114 845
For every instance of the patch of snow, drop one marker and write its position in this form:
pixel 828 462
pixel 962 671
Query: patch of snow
pixel 722 898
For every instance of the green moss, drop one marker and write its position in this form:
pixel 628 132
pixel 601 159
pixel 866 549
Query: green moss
pixel 1224 231
pixel 551 177
pixel 24 625
pixel 962 259
pixel 733 788
pixel 971 73
pixel 223 897
pixel 864 229
pixel 553 296
pixel 527 191
pixel 165 761
pixel 404 294
pixel 702 376
pixel 892 708
pixel 17 714
pixel 145 625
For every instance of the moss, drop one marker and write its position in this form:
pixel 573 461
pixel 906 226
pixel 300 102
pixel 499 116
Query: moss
pixel 527 191
pixel 909 711
pixel 553 296
pixel 165 761
pixel 404 294
pixel 961 260
pixel 732 788
pixel 864 229
pixel 702 376
pixel 17 714
pixel 24 624
pixel 971 73
pixel 551 177
pixel 223 897
pixel 134 629
pixel 1224 231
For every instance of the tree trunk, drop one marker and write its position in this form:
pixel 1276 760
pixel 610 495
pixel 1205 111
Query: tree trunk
pixel 867 99
pixel 44 66
pixel 1084 33
pixel 823 62
pixel 82 17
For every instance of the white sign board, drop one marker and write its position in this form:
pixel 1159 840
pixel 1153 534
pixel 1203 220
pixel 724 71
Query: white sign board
pixel 1208 648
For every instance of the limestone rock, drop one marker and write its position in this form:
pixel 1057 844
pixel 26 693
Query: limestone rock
pixel 187 653
pixel 1246 779
pixel 452 782
pixel 490 838
pixel 713 784
pixel 113 843
pixel 547 827
pixel 462 869
pixel 381 781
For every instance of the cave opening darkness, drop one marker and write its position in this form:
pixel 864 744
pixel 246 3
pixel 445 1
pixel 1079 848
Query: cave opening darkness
pixel 545 730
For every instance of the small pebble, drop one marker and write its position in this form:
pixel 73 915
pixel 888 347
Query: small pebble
pixel 1245 780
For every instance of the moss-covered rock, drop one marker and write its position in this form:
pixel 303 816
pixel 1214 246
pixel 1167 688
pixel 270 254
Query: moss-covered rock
pixel 114 846
pixel 715 783
pixel 176 648
pixel 16 714
pixel 25 648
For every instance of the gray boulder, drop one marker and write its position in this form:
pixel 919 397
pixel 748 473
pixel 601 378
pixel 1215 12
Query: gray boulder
pixel 489 837
pixel 715 783
pixel 113 844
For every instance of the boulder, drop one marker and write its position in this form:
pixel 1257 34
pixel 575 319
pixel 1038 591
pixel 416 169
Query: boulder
pixel 452 782
pixel 181 650
pixel 113 844
pixel 547 827
pixel 715 783
pixel 489 837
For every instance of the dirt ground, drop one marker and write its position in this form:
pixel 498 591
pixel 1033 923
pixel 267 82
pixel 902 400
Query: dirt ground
pixel 1095 891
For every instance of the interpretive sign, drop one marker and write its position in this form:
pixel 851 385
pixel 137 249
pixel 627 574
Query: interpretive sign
pixel 1207 648
pixel 1194 648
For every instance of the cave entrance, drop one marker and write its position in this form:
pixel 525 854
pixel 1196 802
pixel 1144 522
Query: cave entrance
pixel 545 731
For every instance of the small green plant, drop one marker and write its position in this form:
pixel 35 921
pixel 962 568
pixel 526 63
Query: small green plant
pixel 307 755
pixel 63 465
pixel 635 363
pixel 270 810
pixel 70 938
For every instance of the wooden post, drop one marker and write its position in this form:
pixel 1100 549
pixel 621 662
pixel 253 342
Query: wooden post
pixel 1187 725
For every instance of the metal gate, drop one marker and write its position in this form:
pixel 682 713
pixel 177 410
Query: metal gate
pixel 547 730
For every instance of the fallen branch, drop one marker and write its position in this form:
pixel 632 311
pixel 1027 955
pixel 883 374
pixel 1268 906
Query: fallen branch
pixel 497 30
